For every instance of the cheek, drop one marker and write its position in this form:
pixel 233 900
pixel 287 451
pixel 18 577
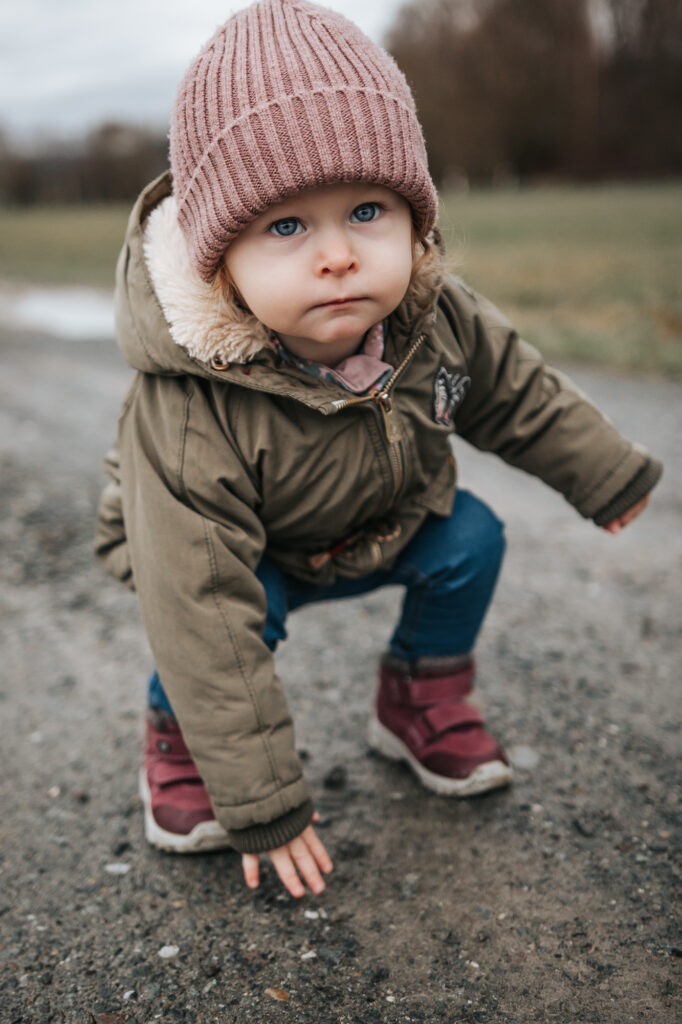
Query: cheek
pixel 249 273
pixel 400 267
pixel 267 290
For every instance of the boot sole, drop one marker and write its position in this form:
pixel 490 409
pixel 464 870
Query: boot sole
pixel 485 777
pixel 206 836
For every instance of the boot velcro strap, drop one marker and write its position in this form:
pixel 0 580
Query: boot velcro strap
pixel 426 690
pixel 167 773
pixel 444 717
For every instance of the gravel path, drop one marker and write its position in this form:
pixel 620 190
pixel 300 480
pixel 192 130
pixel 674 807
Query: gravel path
pixel 552 901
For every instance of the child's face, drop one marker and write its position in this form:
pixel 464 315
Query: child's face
pixel 323 267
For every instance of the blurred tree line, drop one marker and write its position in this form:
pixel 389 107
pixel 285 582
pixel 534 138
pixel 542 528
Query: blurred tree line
pixel 112 163
pixel 507 90
pixel 519 89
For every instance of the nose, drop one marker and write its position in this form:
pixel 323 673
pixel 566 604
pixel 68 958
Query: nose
pixel 336 254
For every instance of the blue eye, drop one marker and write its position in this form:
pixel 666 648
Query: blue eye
pixel 365 213
pixel 286 227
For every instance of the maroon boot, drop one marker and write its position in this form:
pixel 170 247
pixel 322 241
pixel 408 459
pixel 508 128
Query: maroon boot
pixel 177 811
pixel 422 717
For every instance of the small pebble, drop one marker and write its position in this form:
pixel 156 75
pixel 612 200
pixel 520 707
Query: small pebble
pixel 310 955
pixel 350 849
pixel 277 993
pixel 582 829
pixel 410 884
pixel 167 952
pixel 117 868
pixel 312 915
pixel 336 777
pixel 54 792
pixel 524 758
pixel 118 848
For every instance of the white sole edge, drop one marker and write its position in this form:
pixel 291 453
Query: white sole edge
pixel 206 836
pixel 484 778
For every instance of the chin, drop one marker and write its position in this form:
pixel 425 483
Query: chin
pixel 345 333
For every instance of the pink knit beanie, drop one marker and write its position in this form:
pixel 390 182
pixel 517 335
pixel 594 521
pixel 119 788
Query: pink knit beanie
pixel 286 96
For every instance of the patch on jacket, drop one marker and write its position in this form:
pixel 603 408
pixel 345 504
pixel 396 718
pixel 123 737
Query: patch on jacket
pixel 449 390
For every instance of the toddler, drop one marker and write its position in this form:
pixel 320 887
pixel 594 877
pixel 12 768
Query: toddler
pixel 303 363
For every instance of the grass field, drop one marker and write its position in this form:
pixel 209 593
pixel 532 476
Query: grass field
pixel 75 245
pixel 590 273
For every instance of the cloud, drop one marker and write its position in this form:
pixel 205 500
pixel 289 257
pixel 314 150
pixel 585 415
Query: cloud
pixel 67 65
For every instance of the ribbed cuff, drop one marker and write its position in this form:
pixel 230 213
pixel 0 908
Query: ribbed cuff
pixel 261 838
pixel 640 485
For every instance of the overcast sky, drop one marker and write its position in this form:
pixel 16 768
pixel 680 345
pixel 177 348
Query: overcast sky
pixel 68 64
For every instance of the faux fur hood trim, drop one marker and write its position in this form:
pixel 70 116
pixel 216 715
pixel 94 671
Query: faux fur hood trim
pixel 200 318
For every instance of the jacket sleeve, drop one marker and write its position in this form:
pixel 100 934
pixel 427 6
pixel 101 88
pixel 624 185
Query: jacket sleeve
pixel 111 545
pixel 190 507
pixel 536 419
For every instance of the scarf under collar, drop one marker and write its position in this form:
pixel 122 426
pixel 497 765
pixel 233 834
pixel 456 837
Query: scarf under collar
pixel 358 373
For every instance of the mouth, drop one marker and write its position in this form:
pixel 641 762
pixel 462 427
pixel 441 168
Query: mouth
pixel 340 302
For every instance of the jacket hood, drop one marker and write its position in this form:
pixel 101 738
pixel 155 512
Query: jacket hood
pixel 170 321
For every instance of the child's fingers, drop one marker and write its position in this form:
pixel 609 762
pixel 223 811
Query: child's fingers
pixel 302 858
pixel 250 862
pixel 306 864
pixel 316 847
pixel 284 866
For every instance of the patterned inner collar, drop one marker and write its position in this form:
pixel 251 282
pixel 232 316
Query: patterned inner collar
pixel 358 373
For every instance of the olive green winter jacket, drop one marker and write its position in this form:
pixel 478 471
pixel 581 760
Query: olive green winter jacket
pixel 224 453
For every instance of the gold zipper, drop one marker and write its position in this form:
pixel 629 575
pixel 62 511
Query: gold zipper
pixel 379 396
pixel 391 423
pixel 393 436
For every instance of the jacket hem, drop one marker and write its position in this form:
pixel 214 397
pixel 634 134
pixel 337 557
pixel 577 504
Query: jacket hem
pixel 261 838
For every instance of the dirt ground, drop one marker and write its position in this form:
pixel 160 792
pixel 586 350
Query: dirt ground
pixel 551 901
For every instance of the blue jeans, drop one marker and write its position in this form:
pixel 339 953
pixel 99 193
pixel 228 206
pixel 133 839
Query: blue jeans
pixel 449 570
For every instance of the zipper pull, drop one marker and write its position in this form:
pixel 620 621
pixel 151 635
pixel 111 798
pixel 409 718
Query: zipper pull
pixel 390 419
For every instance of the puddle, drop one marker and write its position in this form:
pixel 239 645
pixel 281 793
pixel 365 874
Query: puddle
pixel 78 314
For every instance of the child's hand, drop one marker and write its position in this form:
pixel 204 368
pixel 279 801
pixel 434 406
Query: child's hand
pixel 304 855
pixel 616 525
